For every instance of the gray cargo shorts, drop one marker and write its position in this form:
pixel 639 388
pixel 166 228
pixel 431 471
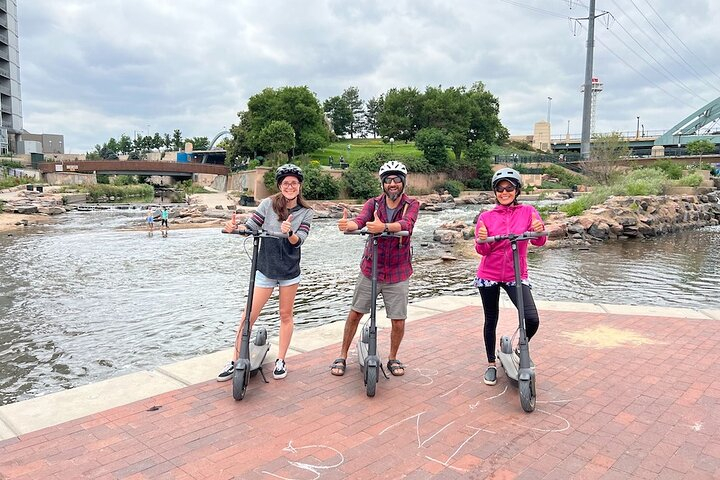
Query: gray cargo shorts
pixel 395 297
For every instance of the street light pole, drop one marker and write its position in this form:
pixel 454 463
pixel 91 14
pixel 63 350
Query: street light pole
pixel 637 131
pixel 392 143
pixel 549 103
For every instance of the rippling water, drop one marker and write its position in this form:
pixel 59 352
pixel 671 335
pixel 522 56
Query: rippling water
pixel 84 299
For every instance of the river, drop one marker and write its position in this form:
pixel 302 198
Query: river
pixel 87 299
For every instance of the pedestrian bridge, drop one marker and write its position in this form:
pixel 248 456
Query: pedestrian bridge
pixel 134 167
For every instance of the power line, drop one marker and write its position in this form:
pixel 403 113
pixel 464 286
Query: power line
pixel 697 74
pixel 669 73
pixel 680 40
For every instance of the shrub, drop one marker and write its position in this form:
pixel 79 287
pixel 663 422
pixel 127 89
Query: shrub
pixel 692 180
pixel 576 207
pixel 359 183
pixel 566 178
pixel 98 192
pixel 454 187
pixel 318 185
pixel 672 169
pixel 643 181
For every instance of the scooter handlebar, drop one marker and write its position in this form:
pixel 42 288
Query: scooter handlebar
pixel 364 231
pixel 514 237
pixel 259 233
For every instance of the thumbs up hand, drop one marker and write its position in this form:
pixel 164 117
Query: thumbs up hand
pixel 286 225
pixel 376 225
pixel 343 222
pixel 482 231
pixel 537 225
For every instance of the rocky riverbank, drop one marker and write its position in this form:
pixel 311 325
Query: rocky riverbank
pixel 617 219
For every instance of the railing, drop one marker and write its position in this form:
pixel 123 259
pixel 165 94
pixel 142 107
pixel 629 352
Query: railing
pixel 135 166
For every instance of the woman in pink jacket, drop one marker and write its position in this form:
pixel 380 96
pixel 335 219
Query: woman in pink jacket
pixel 496 266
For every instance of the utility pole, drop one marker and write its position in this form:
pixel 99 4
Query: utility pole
pixel 587 86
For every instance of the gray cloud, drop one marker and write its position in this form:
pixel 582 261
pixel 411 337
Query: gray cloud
pixel 92 70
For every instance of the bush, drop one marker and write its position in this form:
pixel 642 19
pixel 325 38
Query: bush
pixel 98 192
pixel 318 185
pixel 672 169
pixel 643 181
pixel 566 178
pixel 597 196
pixel 359 183
pixel 454 187
pixel 692 180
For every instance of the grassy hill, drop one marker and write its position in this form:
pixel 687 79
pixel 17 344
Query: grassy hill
pixel 361 147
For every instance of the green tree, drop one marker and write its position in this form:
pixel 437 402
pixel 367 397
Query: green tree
pixel 340 114
pixel 157 141
pixel 351 96
pixel 605 152
pixel 433 143
pixel 296 105
pixel 478 156
pixel 277 136
pixel 700 147
pixel 238 145
pixel 372 111
pixel 167 141
pixel 177 140
pixel 199 143
pixel 112 145
pixel 400 116
pixel 124 145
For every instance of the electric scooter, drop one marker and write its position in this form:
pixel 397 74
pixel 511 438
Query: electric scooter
pixel 519 368
pixel 370 363
pixel 252 355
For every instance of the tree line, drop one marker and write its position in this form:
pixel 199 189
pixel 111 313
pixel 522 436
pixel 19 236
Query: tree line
pixel 141 144
pixel 292 120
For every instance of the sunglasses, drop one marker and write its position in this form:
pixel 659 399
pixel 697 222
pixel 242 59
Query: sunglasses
pixel 389 180
pixel 500 189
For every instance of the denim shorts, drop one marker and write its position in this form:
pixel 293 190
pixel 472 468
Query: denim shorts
pixel 264 282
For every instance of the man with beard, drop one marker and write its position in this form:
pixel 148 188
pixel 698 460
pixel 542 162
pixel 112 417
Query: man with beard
pixel 393 211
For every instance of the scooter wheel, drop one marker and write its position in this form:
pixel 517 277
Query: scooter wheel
pixel 372 378
pixel 241 378
pixel 260 337
pixel 527 395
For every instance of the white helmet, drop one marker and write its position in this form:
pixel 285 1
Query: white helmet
pixel 393 167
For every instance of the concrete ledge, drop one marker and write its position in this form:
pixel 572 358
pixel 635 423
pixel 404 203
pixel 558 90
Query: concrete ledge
pixel 198 369
pixel 59 407
pixel 568 307
pixel 711 313
pixel 653 311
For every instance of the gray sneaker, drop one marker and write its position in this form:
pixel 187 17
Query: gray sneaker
pixel 490 377
pixel 227 372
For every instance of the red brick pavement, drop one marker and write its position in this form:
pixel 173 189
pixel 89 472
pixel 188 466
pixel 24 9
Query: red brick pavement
pixel 644 409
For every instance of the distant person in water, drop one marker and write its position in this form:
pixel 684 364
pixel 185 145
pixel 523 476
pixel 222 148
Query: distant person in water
pixel 150 220
pixel 164 215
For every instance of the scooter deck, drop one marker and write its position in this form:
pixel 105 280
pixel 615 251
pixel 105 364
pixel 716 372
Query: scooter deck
pixel 257 355
pixel 511 364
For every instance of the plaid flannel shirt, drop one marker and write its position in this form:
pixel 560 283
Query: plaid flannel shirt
pixel 394 253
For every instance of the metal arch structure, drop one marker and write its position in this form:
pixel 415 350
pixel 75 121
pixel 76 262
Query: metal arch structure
pixel 688 129
pixel 212 143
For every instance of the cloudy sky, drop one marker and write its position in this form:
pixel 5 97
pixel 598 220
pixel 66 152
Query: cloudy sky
pixel 95 69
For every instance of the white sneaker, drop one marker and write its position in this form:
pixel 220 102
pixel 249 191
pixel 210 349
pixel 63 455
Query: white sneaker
pixel 227 372
pixel 280 369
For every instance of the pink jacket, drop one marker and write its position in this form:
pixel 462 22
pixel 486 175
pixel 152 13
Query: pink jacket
pixel 497 260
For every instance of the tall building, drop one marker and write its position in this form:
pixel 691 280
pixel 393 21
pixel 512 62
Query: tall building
pixel 10 100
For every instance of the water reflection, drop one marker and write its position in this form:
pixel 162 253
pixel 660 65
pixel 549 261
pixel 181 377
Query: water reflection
pixel 85 300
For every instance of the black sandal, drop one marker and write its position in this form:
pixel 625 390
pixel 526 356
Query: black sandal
pixel 339 365
pixel 394 366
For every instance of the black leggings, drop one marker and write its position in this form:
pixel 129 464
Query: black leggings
pixel 490 299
